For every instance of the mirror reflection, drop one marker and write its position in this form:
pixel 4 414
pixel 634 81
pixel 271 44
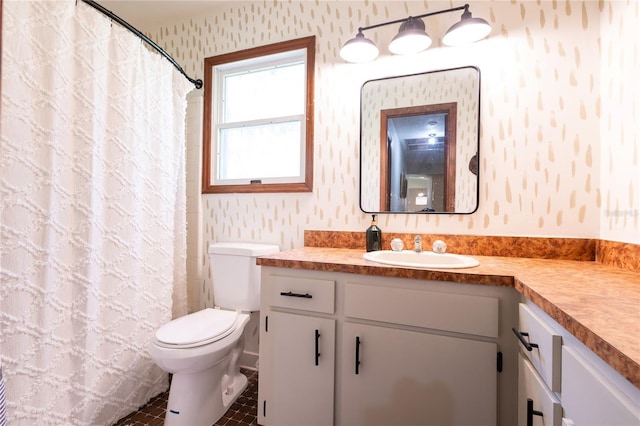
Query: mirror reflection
pixel 419 142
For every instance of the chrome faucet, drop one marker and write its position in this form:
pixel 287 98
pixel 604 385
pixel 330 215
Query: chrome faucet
pixel 417 244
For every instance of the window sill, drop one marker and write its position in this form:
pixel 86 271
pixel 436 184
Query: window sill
pixel 258 188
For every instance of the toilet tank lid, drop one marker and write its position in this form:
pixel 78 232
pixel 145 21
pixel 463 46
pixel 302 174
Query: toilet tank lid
pixel 243 249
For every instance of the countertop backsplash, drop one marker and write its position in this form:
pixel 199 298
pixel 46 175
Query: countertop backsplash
pixel 620 255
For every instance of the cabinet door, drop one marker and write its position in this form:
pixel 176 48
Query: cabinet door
pixel 303 360
pixel 392 376
pixel 537 405
pixel 590 399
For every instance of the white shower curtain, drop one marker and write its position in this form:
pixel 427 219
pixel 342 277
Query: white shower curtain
pixel 92 219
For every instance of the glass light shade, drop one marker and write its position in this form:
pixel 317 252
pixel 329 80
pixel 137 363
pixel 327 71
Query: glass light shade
pixel 359 49
pixel 412 38
pixel 467 30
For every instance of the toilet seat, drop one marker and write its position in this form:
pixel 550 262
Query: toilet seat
pixel 197 329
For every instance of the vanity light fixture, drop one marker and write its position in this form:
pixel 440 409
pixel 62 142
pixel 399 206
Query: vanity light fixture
pixel 413 38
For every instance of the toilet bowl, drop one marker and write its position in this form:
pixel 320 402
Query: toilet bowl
pixel 206 374
pixel 202 349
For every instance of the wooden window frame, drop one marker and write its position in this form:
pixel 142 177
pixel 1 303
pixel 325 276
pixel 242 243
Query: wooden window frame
pixel 450 149
pixel 308 43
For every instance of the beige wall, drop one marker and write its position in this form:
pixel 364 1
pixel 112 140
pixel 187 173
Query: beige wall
pixel 620 121
pixel 559 133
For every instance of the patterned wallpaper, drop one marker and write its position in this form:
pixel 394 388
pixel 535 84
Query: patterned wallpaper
pixel 559 107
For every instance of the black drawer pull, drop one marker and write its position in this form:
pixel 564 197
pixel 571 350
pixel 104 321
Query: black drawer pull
pixel 317 346
pixel 291 294
pixel 521 336
pixel 358 354
pixel 531 412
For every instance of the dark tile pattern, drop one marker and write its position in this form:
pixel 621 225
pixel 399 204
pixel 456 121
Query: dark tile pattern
pixel 243 412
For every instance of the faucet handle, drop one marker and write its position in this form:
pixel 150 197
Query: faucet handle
pixel 439 246
pixel 397 244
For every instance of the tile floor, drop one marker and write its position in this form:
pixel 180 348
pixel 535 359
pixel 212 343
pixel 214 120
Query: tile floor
pixel 242 413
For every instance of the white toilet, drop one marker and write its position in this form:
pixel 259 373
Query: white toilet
pixel 201 349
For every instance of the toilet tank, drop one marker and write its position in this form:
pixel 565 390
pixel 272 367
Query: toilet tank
pixel 235 275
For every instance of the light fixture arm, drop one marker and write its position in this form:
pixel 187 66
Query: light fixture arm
pixel 413 38
pixel 398 21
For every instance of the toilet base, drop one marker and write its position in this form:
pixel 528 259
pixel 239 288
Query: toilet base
pixel 239 385
pixel 198 399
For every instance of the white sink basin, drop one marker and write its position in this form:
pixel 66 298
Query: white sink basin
pixel 425 259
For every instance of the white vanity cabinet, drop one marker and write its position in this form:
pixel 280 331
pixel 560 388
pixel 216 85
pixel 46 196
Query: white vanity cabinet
pixel 567 384
pixel 297 352
pixel 406 351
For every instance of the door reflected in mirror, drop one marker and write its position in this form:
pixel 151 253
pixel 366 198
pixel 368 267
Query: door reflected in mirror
pixel 418 143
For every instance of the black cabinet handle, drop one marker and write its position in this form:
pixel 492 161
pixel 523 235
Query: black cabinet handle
pixel 357 354
pixel 531 412
pixel 291 294
pixel 521 336
pixel 317 346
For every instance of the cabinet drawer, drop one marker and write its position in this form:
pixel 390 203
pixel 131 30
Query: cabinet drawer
pixel 537 405
pixel 308 294
pixel 441 311
pixel 546 356
pixel 589 398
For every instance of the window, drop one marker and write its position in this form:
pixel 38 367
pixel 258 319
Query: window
pixel 258 119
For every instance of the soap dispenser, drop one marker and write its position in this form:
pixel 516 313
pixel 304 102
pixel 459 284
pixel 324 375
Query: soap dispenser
pixel 374 236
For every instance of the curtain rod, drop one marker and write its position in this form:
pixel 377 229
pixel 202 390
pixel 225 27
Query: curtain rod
pixel 119 20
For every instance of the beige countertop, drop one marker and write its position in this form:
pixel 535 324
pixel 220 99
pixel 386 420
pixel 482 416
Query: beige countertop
pixel 598 304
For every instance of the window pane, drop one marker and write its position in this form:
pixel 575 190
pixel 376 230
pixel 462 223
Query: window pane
pixel 263 151
pixel 271 92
